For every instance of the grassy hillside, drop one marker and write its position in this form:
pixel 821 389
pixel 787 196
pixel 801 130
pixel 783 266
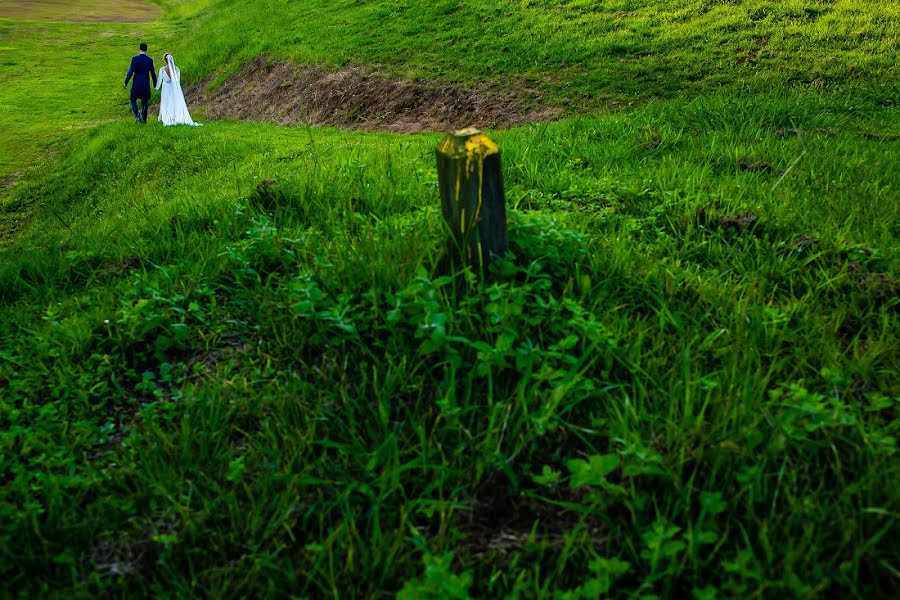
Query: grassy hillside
pixel 233 363
pixel 577 53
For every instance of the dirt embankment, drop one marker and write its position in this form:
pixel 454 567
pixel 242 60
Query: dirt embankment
pixel 356 97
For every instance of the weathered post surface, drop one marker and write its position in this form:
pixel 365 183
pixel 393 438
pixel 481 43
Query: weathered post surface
pixel 471 186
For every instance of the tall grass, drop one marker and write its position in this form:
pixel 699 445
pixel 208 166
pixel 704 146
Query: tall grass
pixel 233 362
pixel 213 387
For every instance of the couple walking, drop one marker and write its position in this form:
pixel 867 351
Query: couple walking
pixel 173 108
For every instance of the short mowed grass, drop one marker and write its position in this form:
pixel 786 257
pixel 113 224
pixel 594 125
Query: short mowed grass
pixel 235 362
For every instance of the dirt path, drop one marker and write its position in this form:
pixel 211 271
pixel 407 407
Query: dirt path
pixel 79 11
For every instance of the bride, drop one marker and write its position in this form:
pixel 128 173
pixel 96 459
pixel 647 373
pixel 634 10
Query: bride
pixel 172 109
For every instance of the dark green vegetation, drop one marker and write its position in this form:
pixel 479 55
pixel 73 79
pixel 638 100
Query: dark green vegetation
pixel 682 381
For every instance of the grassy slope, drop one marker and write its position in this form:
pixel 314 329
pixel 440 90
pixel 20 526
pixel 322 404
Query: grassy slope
pixel 50 87
pixel 202 395
pixel 577 53
pixel 59 77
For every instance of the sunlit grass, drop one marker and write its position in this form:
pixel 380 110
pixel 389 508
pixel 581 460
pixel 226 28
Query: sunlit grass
pixel 681 382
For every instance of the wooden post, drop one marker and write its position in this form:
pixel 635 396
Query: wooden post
pixel 471 185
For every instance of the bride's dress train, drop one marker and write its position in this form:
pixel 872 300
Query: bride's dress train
pixel 173 109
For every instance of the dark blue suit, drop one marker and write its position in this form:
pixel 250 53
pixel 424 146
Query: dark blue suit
pixel 141 69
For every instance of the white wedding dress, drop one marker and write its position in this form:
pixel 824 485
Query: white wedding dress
pixel 173 109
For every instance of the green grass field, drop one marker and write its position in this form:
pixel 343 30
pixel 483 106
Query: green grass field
pixel 681 382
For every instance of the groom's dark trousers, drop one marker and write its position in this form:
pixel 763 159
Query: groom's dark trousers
pixel 141 69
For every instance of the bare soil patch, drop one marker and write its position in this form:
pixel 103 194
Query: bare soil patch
pixel 358 98
pixel 499 522
pixel 881 137
pixel 79 11
pixel 758 166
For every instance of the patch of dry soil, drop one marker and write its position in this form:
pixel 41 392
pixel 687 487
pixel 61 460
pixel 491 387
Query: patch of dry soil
pixel 355 97
pixel 79 11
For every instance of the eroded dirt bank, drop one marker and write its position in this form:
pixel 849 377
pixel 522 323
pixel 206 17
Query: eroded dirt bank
pixel 356 97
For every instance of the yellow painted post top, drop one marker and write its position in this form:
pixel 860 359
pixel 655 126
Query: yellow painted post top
pixel 469 143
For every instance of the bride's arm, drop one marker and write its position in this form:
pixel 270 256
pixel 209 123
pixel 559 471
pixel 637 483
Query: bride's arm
pixel 159 81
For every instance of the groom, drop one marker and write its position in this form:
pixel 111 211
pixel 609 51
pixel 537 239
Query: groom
pixel 141 68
